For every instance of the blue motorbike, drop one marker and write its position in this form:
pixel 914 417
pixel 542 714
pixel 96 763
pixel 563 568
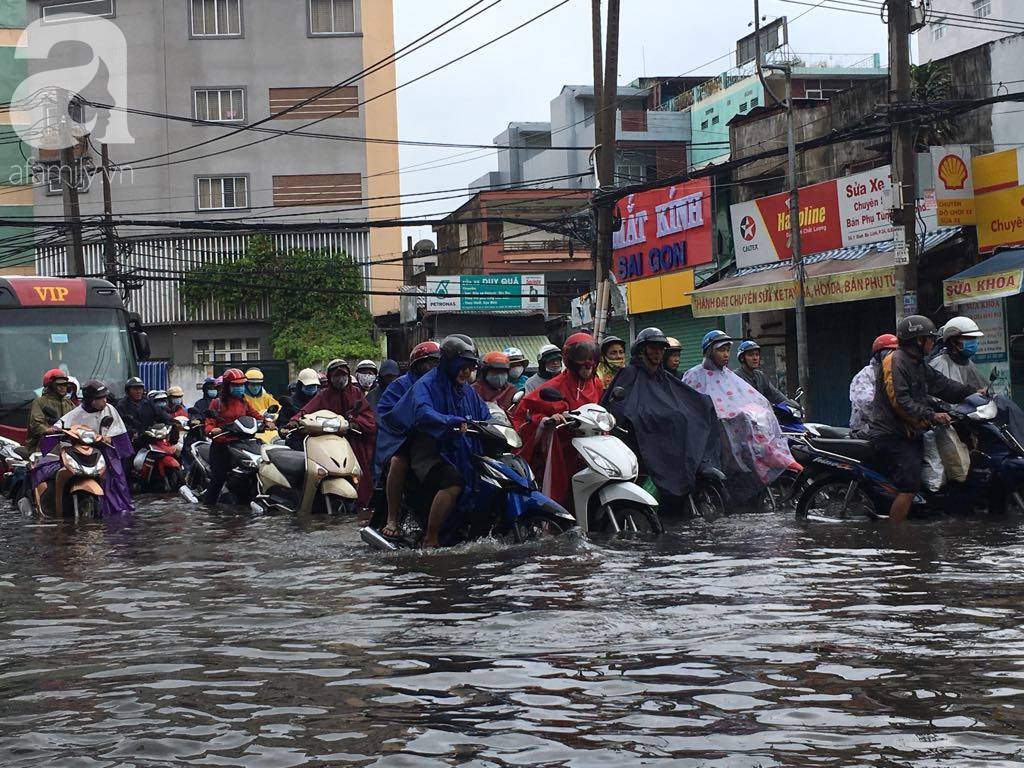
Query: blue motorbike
pixel 844 480
pixel 505 504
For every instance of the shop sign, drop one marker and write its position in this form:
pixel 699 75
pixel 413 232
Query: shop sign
pixel 993 286
pixel 485 293
pixel 663 230
pixel 989 317
pixel 954 185
pixel 999 199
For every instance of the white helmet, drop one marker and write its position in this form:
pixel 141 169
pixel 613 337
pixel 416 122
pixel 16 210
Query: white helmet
pixel 367 364
pixel 961 326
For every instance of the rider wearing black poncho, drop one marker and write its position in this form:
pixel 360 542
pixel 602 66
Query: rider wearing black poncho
pixel 673 428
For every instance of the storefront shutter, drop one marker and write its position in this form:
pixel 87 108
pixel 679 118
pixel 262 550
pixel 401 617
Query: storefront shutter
pixel 681 324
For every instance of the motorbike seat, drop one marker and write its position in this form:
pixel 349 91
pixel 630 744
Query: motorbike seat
pixel 23 452
pixel 203 449
pixel 833 433
pixel 289 463
pixel 858 450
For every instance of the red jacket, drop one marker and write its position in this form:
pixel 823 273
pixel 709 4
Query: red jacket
pixel 503 397
pixel 224 411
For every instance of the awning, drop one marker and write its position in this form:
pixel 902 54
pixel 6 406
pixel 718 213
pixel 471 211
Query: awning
pixel 529 344
pixel 845 274
pixel 995 278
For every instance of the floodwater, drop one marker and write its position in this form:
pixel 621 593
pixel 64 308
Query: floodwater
pixel 191 638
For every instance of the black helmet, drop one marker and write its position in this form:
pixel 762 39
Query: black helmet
pixel 649 336
pixel 608 341
pixel 93 389
pixel 457 346
pixel 134 381
pixel 914 327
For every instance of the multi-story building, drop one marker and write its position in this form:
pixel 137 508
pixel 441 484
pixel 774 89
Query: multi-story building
pixel 198 73
pixel 15 182
pixel 959 25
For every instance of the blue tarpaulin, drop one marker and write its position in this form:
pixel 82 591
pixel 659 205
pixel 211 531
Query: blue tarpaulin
pixel 154 374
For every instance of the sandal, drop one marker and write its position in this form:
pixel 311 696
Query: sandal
pixel 392 533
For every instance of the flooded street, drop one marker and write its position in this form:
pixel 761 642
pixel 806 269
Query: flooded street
pixel 189 638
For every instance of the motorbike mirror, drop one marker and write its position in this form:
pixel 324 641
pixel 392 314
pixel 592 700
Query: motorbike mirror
pixel 106 422
pixel 551 395
pixel 618 393
pixel 274 409
pixel 518 396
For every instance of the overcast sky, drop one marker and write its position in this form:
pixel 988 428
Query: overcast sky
pixel 516 78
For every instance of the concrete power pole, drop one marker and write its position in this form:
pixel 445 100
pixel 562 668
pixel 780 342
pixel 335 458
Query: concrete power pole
pixel 109 243
pixel 606 94
pixel 69 173
pixel 904 187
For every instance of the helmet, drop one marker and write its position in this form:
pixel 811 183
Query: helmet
pixel 961 326
pixel 209 382
pixel 885 341
pixel 457 346
pixel 515 355
pixel 254 376
pixel 608 341
pixel 495 360
pixel 914 327
pixel 73 384
pixel 649 336
pixel 134 381
pixel 151 394
pixel 367 364
pixel 158 396
pixel 232 376
pixel 175 392
pixel 336 364
pixel 308 377
pixel 747 346
pixel 94 389
pixel 425 350
pixel 674 345
pixel 580 348
pixel 54 375
pixel 548 350
pixel 714 339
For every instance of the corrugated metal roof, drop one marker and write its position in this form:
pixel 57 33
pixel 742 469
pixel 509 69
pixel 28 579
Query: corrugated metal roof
pixel 529 344
pixel 853 252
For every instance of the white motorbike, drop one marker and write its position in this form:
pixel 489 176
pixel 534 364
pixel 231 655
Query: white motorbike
pixel 605 495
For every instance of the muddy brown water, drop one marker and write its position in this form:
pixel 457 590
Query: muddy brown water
pixel 191 638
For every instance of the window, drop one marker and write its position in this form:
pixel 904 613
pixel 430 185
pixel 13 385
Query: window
pixel 628 173
pixel 754 102
pixel 206 351
pixel 220 106
pixel 332 17
pixel 715 120
pixel 222 192
pixel 318 189
pixel 704 125
pixel 743 107
pixel 55 184
pixel 324 101
pixel 216 18
pixel 938 29
pixel 982 8
pixel 98 8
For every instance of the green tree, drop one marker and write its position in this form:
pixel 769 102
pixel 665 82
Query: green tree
pixel 932 82
pixel 317 312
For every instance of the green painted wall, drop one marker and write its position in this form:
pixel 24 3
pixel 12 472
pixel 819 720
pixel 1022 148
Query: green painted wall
pixel 12 14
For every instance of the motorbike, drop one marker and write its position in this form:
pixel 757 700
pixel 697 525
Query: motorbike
pixel 606 498
pixel 240 484
pixel 322 477
pixel 76 490
pixel 156 466
pixel 13 469
pixel 844 480
pixel 506 505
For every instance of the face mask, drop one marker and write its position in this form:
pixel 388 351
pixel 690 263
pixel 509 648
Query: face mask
pixel 971 348
pixel 175 402
pixel 472 376
pixel 254 389
pixel 516 372
pixel 497 380
pixel 340 381
pixel 366 380
pixel 212 393
pixel 237 391
pixel 614 364
pixel 310 390
pixel 553 366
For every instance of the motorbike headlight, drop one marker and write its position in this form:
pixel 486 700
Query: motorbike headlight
pixel 512 438
pixel 603 464
pixel 87 437
pixel 330 425
pixel 605 421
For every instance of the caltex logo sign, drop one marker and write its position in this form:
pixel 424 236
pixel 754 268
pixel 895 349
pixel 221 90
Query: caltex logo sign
pixel 748 228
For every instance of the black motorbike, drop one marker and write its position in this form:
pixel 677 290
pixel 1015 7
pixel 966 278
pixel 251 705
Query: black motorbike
pixel 240 484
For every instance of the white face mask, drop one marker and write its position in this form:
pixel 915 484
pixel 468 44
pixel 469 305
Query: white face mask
pixel 366 380
pixel 516 372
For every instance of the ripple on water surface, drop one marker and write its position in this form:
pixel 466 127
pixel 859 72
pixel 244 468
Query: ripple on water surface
pixel 190 638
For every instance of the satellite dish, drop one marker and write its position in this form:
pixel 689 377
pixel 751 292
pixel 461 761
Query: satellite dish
pixel 424 246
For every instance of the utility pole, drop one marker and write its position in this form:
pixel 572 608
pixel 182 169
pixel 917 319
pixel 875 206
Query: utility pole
pixel 72 213
pixel 904 187
pixel 799 272
pixel 606 92
pixel 109 243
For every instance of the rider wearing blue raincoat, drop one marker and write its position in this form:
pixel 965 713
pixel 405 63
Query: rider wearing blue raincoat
pixel 424 357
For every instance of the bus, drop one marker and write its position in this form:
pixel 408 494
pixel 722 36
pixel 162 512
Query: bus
pixel 79 325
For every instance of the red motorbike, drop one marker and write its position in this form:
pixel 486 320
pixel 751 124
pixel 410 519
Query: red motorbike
pixel 157 463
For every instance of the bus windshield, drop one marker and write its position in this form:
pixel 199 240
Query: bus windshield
pixel 85 342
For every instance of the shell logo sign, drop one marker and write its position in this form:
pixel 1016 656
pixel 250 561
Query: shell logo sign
pixel 954 185
pixel 953 172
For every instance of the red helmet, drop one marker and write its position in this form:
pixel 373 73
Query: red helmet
pixel 496 360
pixel 580 348
pixel 885 341
pixel 232 376
pixel 52 375
pixel 428 350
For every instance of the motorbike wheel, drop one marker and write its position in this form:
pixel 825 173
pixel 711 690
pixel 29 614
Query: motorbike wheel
pixel 85 505
pixel 708 502
pixel 538 526
pixel 633 519
pixel 832 499
pixel 174 480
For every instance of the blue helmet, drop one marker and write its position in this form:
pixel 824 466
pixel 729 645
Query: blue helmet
pixel 713 339
pixel 747 346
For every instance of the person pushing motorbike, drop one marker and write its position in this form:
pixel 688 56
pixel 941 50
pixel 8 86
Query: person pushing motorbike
pixel 54 398
pixel 901 410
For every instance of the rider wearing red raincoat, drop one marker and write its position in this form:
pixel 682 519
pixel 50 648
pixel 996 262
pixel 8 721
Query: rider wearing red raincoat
pixel 345 398
pixel 553 459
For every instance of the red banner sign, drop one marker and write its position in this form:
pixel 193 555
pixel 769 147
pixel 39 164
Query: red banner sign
pixel 663 230
pixel 41 291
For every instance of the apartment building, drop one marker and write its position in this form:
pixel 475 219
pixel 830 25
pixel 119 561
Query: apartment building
pixel 198 71
pixel 15 188
pixel 954 26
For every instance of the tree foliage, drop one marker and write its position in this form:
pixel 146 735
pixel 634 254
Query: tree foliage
pixel 317 312
pixel 932 82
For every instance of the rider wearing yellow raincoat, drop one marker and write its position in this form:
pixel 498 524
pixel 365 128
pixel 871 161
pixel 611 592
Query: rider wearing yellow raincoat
pixel 260 400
